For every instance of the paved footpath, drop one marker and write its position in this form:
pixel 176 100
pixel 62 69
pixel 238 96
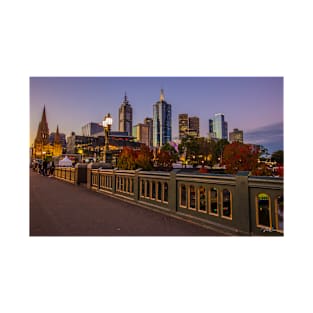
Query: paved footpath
pixel 58 208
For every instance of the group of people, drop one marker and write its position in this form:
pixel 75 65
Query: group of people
pixel 44 167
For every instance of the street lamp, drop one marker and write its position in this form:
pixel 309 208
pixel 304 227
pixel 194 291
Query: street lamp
pixel 107 123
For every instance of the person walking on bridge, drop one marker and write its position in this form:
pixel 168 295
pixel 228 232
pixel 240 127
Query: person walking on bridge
pixel 44 167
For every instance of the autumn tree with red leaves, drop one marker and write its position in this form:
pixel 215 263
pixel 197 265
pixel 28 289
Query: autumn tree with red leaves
pixel 239 157
pixel 127 159
pixel 144 158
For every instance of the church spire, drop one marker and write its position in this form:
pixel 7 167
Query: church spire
pixel 162 95
pixel 43 130
pixel 44 118
pixel 57 136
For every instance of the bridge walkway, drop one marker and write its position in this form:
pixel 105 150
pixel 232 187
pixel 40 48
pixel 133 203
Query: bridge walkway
pixel 58 208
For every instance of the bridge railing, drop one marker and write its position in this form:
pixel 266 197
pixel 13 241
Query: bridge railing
pixel 237 204
pixel 65 173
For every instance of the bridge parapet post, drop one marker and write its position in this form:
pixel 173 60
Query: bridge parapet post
pixel 114 181
pixel 172 190
pixel 241 212
pixel 136 184
pixel 80 173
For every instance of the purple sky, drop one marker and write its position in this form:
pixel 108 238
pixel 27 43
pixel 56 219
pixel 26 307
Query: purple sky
pixel 248 103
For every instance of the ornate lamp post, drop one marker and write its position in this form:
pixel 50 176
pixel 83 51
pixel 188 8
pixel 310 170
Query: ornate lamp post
pixel 107 123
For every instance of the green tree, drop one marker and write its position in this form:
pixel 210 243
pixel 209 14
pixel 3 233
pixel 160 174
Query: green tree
pixel 278 156
pixel 218 150
pixel 206 150
pixel 166 156
pixel 189 147
pixel 171 150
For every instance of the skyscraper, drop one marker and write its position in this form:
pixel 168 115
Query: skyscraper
pixel 182 124
pixel 194 126
pixel 149 122
pixel 141 132
pixel 162 122
pixel 211 133
pixel 236 135
pixel 126 117
pixel 220 126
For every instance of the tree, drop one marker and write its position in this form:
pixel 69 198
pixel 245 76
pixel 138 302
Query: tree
pixel 278 156
pixel 127 159
pixel 189 146
pixel 206 150
pixel 144 158
pixel 171 150
pixel 239 157
pixel 218 151
pixel 164 160
pixel 166 156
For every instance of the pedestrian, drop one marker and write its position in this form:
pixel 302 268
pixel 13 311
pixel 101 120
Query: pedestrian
pixel 40 167
pixel 51 169
pixel 44 167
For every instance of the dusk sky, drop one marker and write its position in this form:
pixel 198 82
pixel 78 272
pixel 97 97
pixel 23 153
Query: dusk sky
pixel 252 104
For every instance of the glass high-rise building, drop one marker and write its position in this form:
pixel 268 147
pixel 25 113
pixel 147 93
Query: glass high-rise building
pixel 220 126
pixel 125 117
pixel 162 122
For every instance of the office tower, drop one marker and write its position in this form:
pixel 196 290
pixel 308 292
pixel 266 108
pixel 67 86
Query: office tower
pixel 194 126
pixel 220 126
pixel 182 125
pixel 211 132
pixel 162 122
pixel 236 135
pixel 141 132
pixel 149 122
pixel 126 117
pixel 91 128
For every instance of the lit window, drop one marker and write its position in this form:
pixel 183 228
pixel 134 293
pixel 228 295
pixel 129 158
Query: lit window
pixel 142 189
pixel 121 183
pixel 127 184
pixel 153 190
pixel 280 213
pixel 226 201
pixel 165 185
pixel 147 189
pixel 132 186
pixel 117 183
pixel 183 196
pixel 202 199
pixel 213 201
pixel 159 191
pixel 192 197
pixel 263 210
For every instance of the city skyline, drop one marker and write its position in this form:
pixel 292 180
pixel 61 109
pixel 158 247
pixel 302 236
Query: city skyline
pixel 248 103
